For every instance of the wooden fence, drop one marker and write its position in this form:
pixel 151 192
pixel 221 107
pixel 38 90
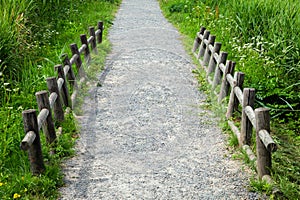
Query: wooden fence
pixel 58 94
pixel 220 71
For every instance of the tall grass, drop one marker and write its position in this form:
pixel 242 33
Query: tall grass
pixel 13 34
pixel 272 30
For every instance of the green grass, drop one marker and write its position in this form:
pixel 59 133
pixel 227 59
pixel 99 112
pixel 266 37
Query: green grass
pixel 263 38
pixel 33 37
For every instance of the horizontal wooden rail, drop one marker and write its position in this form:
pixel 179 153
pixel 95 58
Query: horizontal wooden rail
pixel 215 62
pixel 58 91
pixel 42 117
pixel 28 140
pixel 52 98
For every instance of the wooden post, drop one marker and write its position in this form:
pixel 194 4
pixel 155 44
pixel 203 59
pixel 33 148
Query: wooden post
pixel 225 85
pixel 101 28
pixel 218 72
pixel 203 45
pixel 65 90
pixel 233 101
pixel 246 127
pixel 87 56
pixel 264 163
pixel 70 75
pixel 208 53
pixel 48 127
pixel 58 109
pixel 74 50
pixel 197 41
pixel 35 150
pixel 213 62
pixel 93 42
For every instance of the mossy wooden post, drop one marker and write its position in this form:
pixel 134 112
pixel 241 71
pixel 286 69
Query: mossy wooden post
pixel 218 72
pixel 101 28
pixel 48 127
pixel 35 150
pixel 233 101
pixel 64 90
pixel 208 53
pixel 87 56
pixel 197 41
pixel 93 42
pixel 70 75
pixel 75 51
pixel 203 45
pixel 213 62
pixel 225 85
pixel 246 127
pixel 264 163
pixel 58 109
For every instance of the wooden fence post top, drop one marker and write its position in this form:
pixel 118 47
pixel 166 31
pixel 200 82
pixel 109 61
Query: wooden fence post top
pixel 25 112
pixel 51 78
pixel 206 34
pixel 261 109
pixel 217 47
pixel 100 25
pixel 202 29
pixel 223 57
pixel 211 39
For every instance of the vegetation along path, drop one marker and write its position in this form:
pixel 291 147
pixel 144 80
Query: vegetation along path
pixel 143 132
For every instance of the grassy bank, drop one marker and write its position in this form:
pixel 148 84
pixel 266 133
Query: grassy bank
pixel 33 36
pixel 263 38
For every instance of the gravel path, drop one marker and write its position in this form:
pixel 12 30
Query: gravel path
pixel 144 134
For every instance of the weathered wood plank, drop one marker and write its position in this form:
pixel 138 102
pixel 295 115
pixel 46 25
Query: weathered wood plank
pixel 35 150
pixel 251 115
pixel 28 140
pixel 203 45
pixel 48 126
pixel 246 125
pixel 52 98
pixel 239 94
pixel 82 48
pixel 84 42
pixel 93 42
pixel 73 59
pixel 230 80
pixel 57 107
pixel 229 68
pixel 42 117
pixel 100 35
pixel 218 72
pixel 60 83
pixel 70 74
pixel 213 61
pixel 233 101
pixel 64 89
pixel 197 40
pixel 264 162
pixel 267 140
pixel 234 129
pixel 74 50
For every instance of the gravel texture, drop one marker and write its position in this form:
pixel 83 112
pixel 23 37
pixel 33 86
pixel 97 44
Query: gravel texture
pixel 143 133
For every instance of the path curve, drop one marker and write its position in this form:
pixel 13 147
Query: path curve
pixel 143 133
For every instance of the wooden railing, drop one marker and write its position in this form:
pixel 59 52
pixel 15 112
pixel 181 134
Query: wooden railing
pixel 58 94
pixel 220 71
